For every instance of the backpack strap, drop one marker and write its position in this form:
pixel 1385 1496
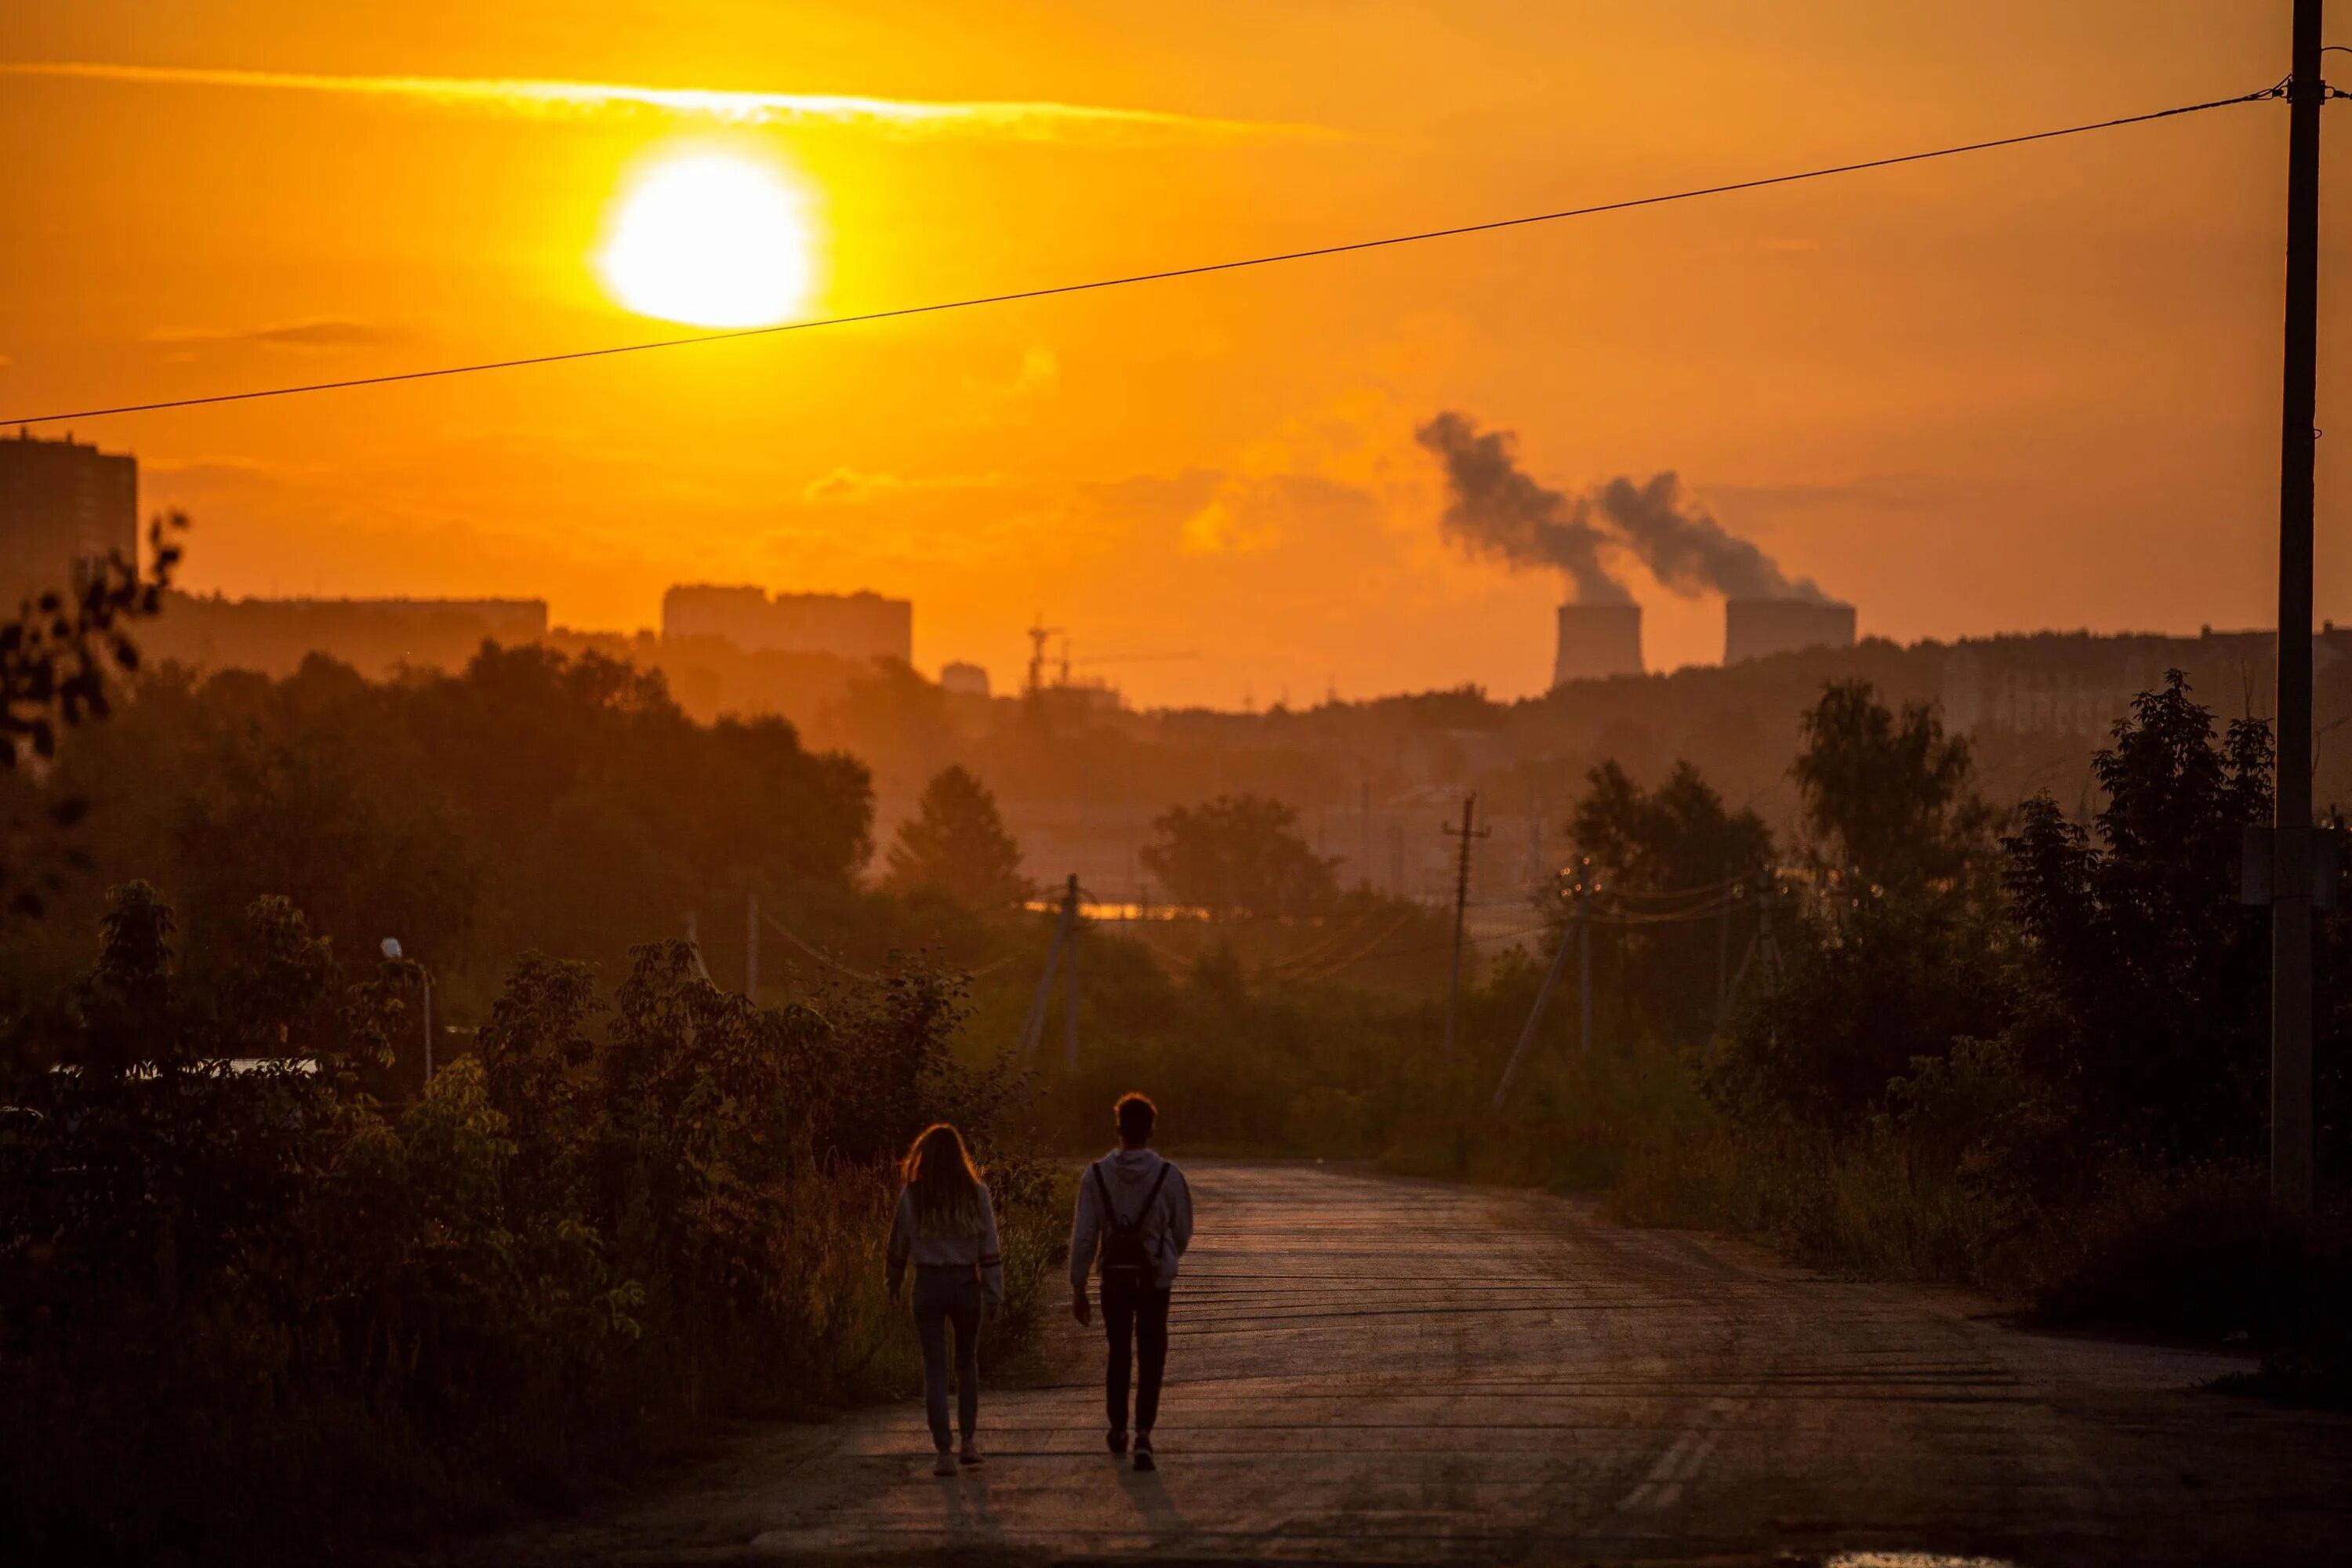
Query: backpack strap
pixel 1110 1206
pixel 1153 1197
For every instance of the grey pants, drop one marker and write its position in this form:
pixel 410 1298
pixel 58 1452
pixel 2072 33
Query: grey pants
pixel 945 1296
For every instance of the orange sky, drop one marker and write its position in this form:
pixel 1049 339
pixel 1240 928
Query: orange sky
pixel 2031 388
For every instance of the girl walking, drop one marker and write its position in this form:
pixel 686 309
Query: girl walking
pixel 946 1227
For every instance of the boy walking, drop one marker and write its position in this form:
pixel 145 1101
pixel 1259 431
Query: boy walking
pixel 1135 1216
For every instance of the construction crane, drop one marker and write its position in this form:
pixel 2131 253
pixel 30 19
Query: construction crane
pixel 1037 635
pixel 1068 662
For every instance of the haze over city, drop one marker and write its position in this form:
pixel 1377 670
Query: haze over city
pixel 1940 392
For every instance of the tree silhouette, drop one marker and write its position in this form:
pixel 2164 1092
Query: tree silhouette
pixel 2147 974
pixel 1238 855
pixel 55 656
pixel 956 844
pixel 1886 798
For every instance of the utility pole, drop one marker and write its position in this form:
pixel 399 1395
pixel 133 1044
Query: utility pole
pixel 1033 1029
pixel 752 948
pixel 1723 946
pixel 2291 878
pixel 1070 1022
pixel 1584 956
pixel 1534 1017
pixel 1461 904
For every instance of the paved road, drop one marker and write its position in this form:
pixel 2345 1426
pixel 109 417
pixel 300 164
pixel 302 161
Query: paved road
pixel 1374 1370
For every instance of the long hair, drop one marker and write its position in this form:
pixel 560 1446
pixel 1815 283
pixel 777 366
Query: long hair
pixel 939 1171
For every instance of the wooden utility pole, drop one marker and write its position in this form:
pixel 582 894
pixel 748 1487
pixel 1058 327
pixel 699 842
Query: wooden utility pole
pixel 2291 879
pixel 1461 904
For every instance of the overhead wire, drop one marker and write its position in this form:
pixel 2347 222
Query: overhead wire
pixel 1161 275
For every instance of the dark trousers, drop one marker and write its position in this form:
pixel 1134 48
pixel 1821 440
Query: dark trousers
pixel 1140 1318
pixel 942 1297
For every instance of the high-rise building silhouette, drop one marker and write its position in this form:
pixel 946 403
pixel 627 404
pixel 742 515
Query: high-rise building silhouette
pixel 61 503
pixel 848 625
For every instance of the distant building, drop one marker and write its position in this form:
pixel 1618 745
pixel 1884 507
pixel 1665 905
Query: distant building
pixel 850 625
pixel 373 637
pixel 1759 628
pixel 964 680
pixel 2078 684
pixel 1597 641
pixel 61 503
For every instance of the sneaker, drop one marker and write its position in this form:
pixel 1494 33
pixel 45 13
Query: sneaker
pixel 947 1463
pixel 1143 1459
pixel 1118 1440
pixel 970 1454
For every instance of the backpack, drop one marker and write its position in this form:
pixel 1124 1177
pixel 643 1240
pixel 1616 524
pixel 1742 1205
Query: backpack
pixel 1125 1255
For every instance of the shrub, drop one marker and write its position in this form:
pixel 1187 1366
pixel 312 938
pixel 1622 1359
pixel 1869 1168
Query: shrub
pixel 253 1311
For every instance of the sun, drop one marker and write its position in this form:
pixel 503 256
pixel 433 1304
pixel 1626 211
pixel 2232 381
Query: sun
pixel 709 239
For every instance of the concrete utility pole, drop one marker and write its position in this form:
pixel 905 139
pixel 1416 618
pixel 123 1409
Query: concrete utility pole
pixel 1070 1023
pixel 1534 1017
pixel 2291 880
pixel 752 948
pixel 1461 904
pixel 1584 956
pixel 1723 947
pixel 1033 1031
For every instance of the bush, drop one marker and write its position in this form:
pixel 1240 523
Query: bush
pixel 250 1310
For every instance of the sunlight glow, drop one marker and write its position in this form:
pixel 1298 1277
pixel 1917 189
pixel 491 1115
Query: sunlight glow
pixel 711 239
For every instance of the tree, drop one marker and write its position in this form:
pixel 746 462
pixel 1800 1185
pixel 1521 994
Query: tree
pixel 54 660
pixel 1898 955
pixel 1659 853
pixel 1887 799
pixel 1676 837
pixel 956 844
pixel 1238 855
pixel 2148 977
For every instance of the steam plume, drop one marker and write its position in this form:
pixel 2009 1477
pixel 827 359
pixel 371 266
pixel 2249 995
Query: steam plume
pixel 1498 511
pixel 1685 548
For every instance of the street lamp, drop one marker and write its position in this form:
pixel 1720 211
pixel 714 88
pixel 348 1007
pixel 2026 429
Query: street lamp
pixel 391 946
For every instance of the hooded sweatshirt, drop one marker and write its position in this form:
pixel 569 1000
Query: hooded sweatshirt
pixel 1129 1172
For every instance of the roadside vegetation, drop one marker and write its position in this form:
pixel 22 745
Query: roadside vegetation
pixel 266 1290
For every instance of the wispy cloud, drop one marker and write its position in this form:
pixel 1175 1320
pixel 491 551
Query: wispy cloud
pixel 313 334
pixel 905 117
pixel 854 486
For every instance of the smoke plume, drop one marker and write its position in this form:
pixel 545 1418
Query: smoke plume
pixel 1498 511
pixel 1685 548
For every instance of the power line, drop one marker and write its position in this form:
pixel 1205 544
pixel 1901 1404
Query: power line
pixel 1162 276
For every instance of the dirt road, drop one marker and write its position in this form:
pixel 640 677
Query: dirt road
pixel 1371 1370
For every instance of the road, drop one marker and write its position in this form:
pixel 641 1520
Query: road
pixel 1370 1370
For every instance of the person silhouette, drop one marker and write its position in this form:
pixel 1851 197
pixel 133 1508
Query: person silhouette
pixel 1134 1222
pixel 946 1225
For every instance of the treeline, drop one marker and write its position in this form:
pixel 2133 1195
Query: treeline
pixel 533 802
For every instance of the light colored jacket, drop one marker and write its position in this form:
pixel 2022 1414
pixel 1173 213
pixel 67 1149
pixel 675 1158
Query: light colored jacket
pixel 976 1250
pixel 1167 1229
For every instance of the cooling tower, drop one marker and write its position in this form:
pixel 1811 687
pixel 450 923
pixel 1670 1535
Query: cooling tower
pixel 1757 629
pixel 1597 641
